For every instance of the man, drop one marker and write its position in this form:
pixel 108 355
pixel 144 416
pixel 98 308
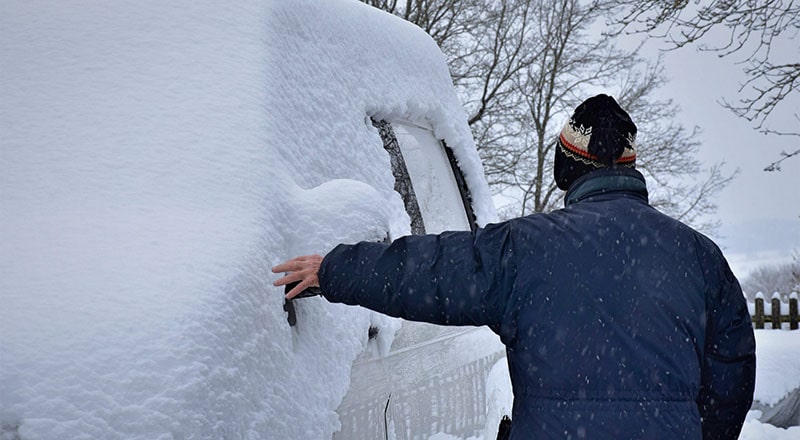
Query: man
pixel 619 322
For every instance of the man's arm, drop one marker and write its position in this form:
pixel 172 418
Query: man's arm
pixel 455 278
pixel 729 365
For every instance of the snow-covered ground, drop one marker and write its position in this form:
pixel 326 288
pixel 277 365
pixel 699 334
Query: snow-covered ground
pixel 777 374
pixel 778 370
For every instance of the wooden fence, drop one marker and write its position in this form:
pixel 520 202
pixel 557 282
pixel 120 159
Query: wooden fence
pixel 775 312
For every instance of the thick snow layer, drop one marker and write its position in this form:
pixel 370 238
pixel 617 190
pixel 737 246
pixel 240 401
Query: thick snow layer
pixel 777 374
pixel 499 396
pixel 157 159
pixel 755 430
pixel 777 369
pixel 349 68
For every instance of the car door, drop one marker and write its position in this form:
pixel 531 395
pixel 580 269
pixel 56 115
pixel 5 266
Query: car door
pixel 432 378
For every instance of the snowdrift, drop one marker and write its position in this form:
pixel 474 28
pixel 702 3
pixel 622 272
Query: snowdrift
pixel 157 159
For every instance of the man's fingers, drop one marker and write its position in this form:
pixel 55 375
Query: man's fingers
pixel 288 266
pixel 290 278
pixel 297 289
pixel 295 264
pixel 303 269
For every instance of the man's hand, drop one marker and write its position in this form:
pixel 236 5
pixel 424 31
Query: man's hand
pixel 303 269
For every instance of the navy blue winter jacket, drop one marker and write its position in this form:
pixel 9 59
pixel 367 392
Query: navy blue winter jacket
pixel 619 321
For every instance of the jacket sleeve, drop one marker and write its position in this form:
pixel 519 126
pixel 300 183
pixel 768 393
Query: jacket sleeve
pixel 729 363
pixel 455 278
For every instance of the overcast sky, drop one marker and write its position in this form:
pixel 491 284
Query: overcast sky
pixel 760 210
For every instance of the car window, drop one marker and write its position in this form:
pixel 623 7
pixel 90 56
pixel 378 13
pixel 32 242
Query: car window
pixel 427 178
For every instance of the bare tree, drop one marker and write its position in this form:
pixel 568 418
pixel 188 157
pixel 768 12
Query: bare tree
pixel 522 66
pixel 449 22
pixel 568 62
pixel 754 29
pixel 781 278
pixel 487 45
pixel 667 157
pixel 776 166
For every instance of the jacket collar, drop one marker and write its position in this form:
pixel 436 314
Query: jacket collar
pixel 606 180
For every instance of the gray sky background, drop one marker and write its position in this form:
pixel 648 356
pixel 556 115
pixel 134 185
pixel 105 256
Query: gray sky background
pixel 760 211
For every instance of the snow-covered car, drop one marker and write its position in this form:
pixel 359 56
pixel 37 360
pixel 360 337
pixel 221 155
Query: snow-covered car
pixel 159 157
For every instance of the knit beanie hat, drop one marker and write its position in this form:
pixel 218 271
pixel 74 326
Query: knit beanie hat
pixel 600 134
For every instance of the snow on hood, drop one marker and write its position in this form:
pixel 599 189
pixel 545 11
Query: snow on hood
pixel 157 159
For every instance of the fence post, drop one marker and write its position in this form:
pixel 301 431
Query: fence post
pixel 793 311
pixel 759 310
pixel 776 310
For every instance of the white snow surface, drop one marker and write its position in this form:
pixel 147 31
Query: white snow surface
pixel 157 159
pixel 777 374
pixel 499 397
pixel 753 429
pixel 777 368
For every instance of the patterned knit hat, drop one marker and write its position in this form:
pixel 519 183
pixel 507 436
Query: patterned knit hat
pixel 600 134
